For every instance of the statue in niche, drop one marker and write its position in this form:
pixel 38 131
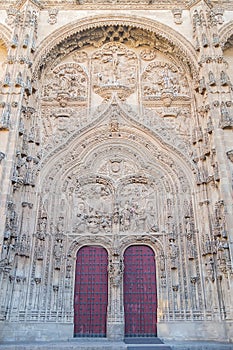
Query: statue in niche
pixel 190 246
pixel 39 250
pixel 42 226
pixel 173 249
pixel 81 218
pixel 24 246
pixel 125 218
pixel 151 218
pixel 115 271
pixel 60 226
pixel 210 270
pixel 57 253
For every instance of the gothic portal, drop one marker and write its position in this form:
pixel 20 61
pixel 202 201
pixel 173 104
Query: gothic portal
pixel 116 214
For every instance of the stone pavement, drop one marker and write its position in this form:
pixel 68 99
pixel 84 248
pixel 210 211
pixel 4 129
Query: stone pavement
pixel 102 344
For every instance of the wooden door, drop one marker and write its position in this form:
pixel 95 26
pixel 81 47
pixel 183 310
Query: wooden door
pixel 140 301
pixel 91 292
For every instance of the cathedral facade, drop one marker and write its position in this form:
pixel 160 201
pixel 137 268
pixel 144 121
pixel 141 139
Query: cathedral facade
pixel 116 165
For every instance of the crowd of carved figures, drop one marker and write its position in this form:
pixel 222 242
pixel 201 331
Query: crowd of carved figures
pixel 123 199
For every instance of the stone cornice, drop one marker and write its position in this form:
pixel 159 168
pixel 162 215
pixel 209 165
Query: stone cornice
pixel 119 5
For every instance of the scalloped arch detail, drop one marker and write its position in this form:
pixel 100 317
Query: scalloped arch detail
pixel 226 32
pixel 87 241
pixel 165 32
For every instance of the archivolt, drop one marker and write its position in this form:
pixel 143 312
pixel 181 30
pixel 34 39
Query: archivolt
pixel 146 239
pixel 5 35
pixel 88 241
pixel 183 47
pixel 225 33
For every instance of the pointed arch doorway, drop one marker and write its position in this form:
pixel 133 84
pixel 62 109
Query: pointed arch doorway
pixel 140 300
pixel 91 292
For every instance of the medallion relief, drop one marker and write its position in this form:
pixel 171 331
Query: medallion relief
pixel 163 81
pixel 114 70
pixel 67 82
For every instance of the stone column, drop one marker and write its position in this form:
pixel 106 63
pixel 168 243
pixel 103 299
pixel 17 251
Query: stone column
pixel 115 319
pixel 115 316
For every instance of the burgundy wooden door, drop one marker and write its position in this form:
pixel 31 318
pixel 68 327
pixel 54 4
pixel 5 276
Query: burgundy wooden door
pixel 91 292
pixel 140 302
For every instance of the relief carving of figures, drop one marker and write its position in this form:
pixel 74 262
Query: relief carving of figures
pixel 114 69
pixel 81 217
pixel 11 15
pixel 137 209
pixel 68 81
pixel 160 78
pixel 93 209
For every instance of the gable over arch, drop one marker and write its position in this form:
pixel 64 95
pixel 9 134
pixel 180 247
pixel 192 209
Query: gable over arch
pixel 97 140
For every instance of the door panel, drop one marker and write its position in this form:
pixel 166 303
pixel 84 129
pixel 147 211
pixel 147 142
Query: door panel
pixel 140 302
pixel 91 292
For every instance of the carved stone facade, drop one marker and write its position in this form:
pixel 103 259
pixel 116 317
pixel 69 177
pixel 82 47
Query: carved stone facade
pixel 116 130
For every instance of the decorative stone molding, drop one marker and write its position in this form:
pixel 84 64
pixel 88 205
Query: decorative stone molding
pixel 2 156
pixel 230 155
pixel 5 35
pixel 225 33
pixel 52 16
pixel 177 14
pixel 184 48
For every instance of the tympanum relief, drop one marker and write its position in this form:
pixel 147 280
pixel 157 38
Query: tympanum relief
pixel 143 78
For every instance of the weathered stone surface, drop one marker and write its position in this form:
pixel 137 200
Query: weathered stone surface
pixel 116 130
